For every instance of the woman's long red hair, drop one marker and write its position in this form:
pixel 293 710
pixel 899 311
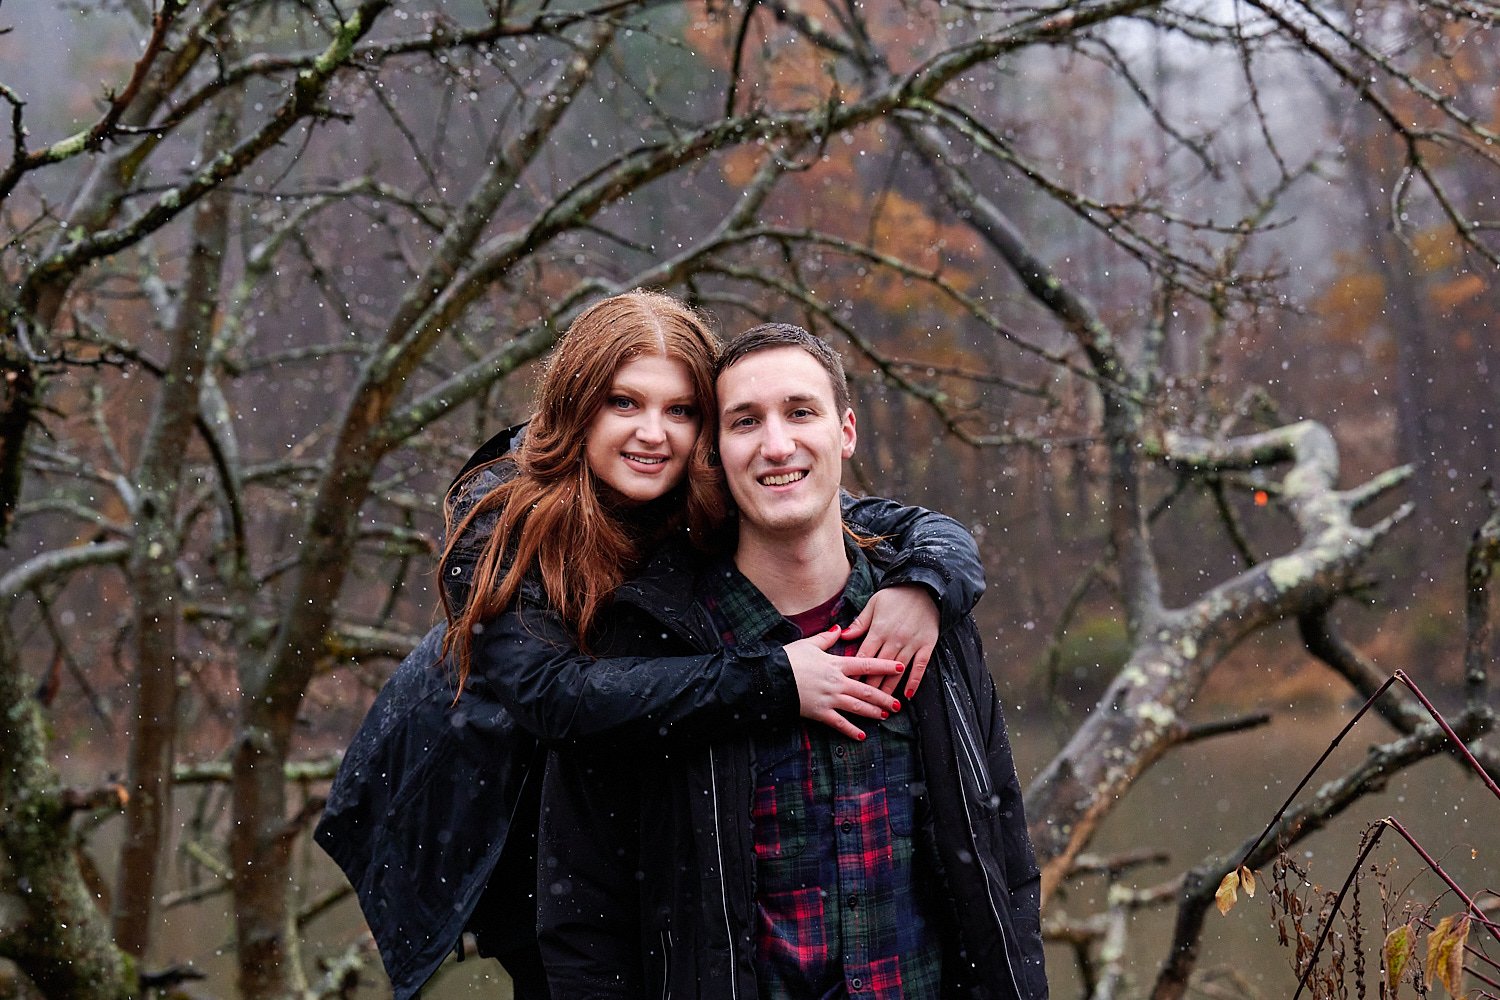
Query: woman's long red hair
pixel 552 519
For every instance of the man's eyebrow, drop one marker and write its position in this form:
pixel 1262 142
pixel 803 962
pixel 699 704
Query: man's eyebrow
pixel 796 397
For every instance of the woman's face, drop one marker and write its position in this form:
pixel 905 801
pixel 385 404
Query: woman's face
pixel 639 442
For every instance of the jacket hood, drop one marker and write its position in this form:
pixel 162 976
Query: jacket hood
pixel 474 482
pixel 496 447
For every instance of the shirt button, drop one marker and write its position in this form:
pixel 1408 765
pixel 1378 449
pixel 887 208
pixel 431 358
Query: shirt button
pixel 838 751
pixel 846 826
pixel 853 902
pixel 856 984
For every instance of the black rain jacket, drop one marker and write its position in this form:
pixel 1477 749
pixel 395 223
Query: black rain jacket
pixel 433 813
pixel 648 862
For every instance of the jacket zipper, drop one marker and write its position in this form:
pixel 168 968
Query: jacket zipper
pixel 989 890
pixel 713 777
pixel 967 739
pixel 700 637
pixel 666 964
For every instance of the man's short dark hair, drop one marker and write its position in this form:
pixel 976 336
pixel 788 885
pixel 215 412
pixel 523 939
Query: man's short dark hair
pixel 769 336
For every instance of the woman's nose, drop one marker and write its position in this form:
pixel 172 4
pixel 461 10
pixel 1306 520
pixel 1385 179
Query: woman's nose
pixel 650 429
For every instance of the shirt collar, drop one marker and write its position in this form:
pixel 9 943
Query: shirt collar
pixel 750 617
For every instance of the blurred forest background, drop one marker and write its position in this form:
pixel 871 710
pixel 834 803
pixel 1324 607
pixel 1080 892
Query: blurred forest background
pixel 1185 307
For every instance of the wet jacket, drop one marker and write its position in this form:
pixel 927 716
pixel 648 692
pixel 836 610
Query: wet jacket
pixel 433 813
pixel 648 862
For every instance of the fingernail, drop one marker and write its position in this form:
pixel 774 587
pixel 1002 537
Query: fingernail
pixel 834 628
pixel 885 715
pixel 910 692
pixel 861 736
pixel 895 706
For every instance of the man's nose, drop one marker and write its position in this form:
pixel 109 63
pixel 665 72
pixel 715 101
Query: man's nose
pixel 776 444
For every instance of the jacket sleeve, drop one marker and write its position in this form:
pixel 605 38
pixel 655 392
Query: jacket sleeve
pixel 588 899
pixel 1023 876
pixel 932 550
pixel 529 663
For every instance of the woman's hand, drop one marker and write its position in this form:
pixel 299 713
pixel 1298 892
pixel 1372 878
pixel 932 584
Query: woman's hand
pixel 828 684
pixel 898 623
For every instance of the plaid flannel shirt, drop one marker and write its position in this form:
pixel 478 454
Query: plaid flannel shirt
pixel 837 907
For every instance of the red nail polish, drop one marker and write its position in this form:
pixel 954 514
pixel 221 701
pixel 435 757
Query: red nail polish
pixel 885 715
pixel 861 736
pixel 895 706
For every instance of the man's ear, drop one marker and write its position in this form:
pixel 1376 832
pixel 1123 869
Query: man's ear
pixel 846 428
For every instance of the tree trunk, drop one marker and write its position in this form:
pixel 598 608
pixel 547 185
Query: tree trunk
pixel 156 547
pixel 1402 311
pixel 1140 716
pixel 269 956
pixel 49 923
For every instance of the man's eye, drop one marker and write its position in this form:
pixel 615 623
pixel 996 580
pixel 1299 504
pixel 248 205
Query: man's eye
pixel 801 413
pixel 743 422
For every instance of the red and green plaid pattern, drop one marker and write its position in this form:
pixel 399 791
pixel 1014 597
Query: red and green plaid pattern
pixel 836 902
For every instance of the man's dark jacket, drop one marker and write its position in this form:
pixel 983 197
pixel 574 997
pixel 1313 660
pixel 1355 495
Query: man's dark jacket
pixel 648 862
pixel 433 813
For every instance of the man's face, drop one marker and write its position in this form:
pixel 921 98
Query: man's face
pixel 782 441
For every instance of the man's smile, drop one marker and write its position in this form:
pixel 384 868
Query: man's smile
pixel 783 478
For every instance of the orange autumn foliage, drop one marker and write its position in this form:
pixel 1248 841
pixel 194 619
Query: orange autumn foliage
pixel 1449 295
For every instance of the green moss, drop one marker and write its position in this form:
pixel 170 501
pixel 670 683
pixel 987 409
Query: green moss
pixel 1093 650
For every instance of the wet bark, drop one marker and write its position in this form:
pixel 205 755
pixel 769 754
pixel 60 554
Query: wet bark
pixel 1402 310
pixel 50 925
pixel 157 593
pixel 1131 725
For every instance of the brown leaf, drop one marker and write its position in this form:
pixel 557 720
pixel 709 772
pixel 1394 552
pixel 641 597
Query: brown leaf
pixel 1247 881
pixel 1226 896
pixel 1454 979
pixel 1445 953
pixel 1399 945
pixel 1436 941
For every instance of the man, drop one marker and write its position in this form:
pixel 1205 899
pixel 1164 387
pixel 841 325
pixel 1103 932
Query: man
pixel 796 863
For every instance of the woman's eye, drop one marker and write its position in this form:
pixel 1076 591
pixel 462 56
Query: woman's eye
pixel 683 412
pixel 621 402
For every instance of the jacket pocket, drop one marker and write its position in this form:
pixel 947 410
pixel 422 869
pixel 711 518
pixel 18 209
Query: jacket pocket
pixel 420 834
pixel 782 806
